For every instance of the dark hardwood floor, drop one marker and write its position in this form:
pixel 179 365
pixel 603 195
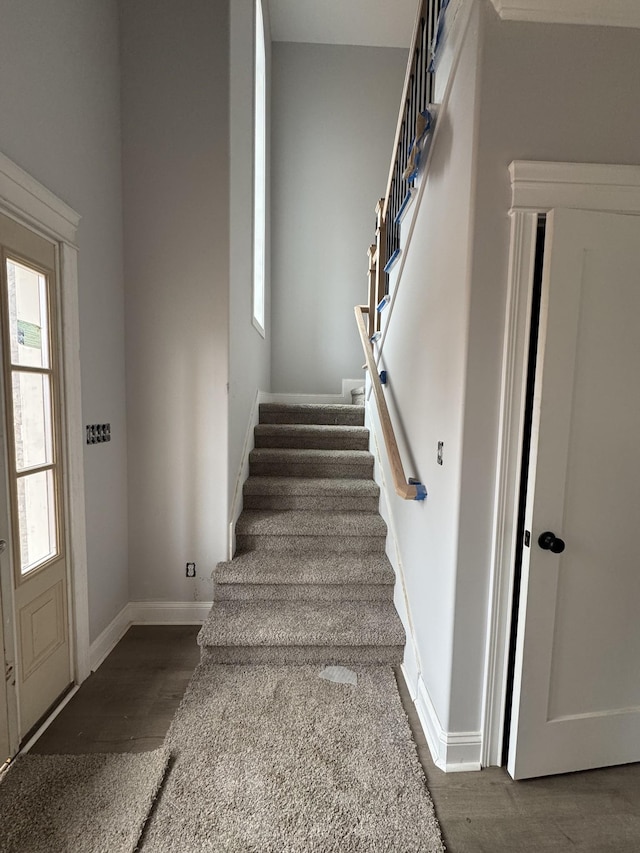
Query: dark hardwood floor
pixel 128 704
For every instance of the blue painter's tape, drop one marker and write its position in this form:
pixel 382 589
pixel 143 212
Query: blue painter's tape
pixel 405 204
pixel 375 337
pixel 421 489
pixel 383 303
pixel 389 265
pixel 383 377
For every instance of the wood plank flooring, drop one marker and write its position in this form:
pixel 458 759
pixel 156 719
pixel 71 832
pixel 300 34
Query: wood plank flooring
pixel 128 704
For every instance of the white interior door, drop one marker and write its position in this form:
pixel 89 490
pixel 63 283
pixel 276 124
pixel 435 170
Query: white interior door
pixel 34 472
pixel 576 701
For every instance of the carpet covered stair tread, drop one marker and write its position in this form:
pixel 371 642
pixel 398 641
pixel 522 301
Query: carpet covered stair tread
pixel 286 462
pixel 310 493
pixel 311 413
pixel 300 567
pixel 311 486
pixel 303 523
pixel 302 623
pixel 312 436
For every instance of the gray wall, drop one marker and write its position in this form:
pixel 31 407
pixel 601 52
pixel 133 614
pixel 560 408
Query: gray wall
pixel 175 100
pixel 60 121
pixel 333 123
pixel 249 352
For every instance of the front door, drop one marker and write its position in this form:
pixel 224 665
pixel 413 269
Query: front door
pixel 35 527
pixel 576 700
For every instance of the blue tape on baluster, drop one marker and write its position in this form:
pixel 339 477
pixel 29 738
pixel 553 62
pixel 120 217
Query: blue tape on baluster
pixel 383 377
pixel 394 257
pixel 383 303
pixel 435 45
pixel 399 215
pixel 375 337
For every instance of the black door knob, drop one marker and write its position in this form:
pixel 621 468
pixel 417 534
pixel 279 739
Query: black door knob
pixel 548 541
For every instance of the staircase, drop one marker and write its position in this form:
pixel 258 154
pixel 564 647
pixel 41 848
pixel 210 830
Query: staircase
pixel 310 581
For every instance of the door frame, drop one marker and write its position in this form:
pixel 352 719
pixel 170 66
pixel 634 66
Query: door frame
pixel 536 188
pixel 26 201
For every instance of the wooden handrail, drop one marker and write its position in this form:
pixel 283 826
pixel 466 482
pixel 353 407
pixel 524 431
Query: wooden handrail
pixel 408 490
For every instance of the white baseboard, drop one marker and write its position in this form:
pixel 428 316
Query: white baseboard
pixel 169 612
pixel 109 638
pixel 145 613
pixel 453 752
pixel 348 385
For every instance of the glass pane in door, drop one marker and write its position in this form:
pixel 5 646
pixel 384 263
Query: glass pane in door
pixel 32 416
pixel 28 315
pixel 36 519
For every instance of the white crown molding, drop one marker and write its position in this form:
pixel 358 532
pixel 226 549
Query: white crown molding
pixel 540 186
pixel 34 203
pixel 613 13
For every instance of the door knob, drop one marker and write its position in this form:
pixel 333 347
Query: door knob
pixel 548 541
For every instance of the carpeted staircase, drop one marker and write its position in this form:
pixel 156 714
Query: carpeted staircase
pixel 310 581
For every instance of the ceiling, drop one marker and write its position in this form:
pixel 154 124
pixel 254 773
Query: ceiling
pixel 378 23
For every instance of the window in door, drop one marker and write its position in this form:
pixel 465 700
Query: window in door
pixel 30 403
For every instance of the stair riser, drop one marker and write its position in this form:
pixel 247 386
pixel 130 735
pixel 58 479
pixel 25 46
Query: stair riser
pixel 328 655
pixel 319 417
pixel 315 442
pixel 311 502
pixel 314 544
pixel 302 592
pixel 284 468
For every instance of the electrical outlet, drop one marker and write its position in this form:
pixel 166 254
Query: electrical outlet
pixel 191 570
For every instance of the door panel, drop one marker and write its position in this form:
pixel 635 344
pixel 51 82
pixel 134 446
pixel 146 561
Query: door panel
pixel 34 469
pixel 576 699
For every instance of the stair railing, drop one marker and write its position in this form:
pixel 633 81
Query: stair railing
pixel 415 113
pixel 408 490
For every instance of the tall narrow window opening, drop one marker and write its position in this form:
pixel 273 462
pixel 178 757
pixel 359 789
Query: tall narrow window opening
pixel 259 174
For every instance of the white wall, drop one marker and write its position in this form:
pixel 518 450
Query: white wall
pixel 175 99
pixel 60 121
pixel 522 91
pixel 333 123
pixel 425 355
pixel 249 351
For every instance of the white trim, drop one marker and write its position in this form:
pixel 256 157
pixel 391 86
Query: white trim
pixel 453 752
pixel 537 187
pixel 513 389
pixel 34 204
pixel 348 385
pixel 106 642
pixel 613 13
pixel 540 186
pixel 169 612
pixel 74 458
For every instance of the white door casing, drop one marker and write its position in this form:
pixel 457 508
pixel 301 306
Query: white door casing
pixel 537 187
pixel 576 700
pixel 32 205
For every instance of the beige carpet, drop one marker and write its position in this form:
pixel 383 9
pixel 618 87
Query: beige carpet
pixel 78 803
pixel 274 759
